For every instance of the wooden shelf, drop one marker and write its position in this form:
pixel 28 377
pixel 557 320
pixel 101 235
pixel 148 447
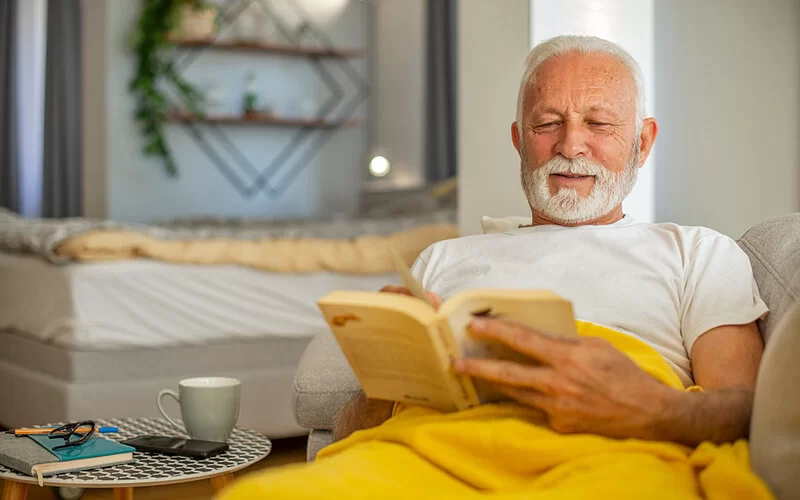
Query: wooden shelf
pixel 266 120
pixel 268 48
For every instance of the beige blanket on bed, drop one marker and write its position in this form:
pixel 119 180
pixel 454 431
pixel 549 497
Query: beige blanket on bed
pixel 362 255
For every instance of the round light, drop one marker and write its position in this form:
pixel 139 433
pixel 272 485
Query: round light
pixel 379 166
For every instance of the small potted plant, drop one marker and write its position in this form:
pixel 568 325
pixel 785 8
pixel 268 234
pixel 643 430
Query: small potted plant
pixel 196 21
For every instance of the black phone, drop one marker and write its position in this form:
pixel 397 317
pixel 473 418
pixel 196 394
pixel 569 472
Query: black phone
pixel 169 445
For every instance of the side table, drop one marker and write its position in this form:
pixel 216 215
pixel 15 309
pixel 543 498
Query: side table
pixel 150 469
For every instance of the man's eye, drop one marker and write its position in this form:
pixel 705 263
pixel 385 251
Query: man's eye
pixel 546 126
pixel 599 124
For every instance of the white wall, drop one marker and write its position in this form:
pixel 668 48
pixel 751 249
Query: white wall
pixel 728 74
pixel 398 90
pixel 493 40
pixel 138 188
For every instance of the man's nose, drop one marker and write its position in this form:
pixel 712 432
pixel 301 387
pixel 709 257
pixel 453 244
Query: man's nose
pixel 572 143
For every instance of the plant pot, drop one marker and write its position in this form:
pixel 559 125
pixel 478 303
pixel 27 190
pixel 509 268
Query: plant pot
pixel 196 23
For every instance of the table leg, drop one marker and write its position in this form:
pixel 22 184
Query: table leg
pixel 13 490
pixel 123 493
pixel 221 481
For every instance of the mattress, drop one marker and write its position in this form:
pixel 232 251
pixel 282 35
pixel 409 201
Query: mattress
pixel 148 304
pixel 48 383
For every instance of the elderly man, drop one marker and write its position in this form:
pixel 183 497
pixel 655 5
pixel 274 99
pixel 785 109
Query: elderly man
pixel 685 293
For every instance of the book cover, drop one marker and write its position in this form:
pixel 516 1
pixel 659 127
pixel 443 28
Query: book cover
pixel 22 454
pixel 94 447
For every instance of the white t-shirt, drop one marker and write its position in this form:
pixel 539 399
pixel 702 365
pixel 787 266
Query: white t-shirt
pixel 662 283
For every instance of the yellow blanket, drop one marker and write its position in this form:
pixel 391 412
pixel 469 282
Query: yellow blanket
pixel 363 255
pixel 505 451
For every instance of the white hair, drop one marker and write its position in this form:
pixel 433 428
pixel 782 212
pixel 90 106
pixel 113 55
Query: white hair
pixel 582 45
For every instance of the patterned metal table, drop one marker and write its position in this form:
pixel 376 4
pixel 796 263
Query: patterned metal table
pixel 150 469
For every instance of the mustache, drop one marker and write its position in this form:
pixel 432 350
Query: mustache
pixel 579 166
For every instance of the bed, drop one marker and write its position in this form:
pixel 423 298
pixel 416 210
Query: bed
pixel 84 336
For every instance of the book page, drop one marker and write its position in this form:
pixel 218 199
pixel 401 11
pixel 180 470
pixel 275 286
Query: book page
pixel 543 311
pixel 390 349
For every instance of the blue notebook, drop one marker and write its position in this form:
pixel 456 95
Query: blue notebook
pixel 94 447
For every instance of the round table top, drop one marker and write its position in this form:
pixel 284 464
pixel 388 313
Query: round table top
pixel 148 469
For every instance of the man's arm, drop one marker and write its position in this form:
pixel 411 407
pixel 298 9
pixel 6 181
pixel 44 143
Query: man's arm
pixel 725 363
pixel 361 413
pixel 586 385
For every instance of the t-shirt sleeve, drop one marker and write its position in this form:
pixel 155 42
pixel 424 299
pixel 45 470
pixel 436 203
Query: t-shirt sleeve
pixel 421 265
pixel 719 289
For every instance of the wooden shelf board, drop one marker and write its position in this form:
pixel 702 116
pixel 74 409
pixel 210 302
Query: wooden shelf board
pixel 267 120
pixel 270 48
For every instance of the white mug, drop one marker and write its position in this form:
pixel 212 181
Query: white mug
pixel 209 406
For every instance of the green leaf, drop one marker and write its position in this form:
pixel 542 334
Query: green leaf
pixel 147 41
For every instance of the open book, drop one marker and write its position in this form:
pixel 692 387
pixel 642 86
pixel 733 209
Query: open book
pixel 401 349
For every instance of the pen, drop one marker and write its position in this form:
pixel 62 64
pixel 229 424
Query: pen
pixel 46 430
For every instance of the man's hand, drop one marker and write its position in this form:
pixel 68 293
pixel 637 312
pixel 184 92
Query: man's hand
pixel 586 385
pixel 583 385
pixel 362 412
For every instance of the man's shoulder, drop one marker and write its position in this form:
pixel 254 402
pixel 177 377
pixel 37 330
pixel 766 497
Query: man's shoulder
pixel 688 235
pixel 470 241
pixel 458 246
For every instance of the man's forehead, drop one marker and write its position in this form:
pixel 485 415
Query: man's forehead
pixel 600 78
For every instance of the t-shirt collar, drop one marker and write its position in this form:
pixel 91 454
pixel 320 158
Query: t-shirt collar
pixel 626 220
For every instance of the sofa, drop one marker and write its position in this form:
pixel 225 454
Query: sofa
pixel 324 382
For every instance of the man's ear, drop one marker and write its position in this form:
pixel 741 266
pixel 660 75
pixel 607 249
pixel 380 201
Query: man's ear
pixel 516 138
pixel 647 138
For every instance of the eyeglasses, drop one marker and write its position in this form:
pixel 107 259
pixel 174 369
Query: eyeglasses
pixel 66 432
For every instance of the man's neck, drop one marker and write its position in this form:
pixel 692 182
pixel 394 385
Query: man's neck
pixel 613 216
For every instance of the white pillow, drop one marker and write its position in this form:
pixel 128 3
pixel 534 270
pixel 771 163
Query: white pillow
pixel 503 224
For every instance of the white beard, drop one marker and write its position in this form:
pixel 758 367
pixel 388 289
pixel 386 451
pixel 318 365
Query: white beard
pixel 567 206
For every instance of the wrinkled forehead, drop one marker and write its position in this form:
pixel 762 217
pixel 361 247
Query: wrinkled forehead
pixel 584 80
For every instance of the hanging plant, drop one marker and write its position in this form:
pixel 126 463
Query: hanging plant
pixel 155 66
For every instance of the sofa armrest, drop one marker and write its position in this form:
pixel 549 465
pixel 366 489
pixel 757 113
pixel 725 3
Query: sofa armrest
pixel 774 250
pixel 775 425
pixel 323 384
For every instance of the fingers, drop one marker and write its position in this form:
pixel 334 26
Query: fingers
pixel 508 373
pixel 521 338
pixel 525 396
pixel 435 299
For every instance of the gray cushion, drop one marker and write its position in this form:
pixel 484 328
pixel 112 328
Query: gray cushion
pixel 324 383
pixel 774 250
pixel 775 427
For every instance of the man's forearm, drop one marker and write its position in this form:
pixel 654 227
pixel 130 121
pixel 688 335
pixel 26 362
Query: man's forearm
pixel 361 413
pixel 721 415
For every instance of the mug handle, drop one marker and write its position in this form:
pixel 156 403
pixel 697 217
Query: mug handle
pixel 169 392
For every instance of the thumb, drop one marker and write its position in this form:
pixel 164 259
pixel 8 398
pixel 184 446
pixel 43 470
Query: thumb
pixel 435 299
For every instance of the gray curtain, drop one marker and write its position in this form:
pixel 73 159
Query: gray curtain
pixel 442 91
pixel 9 156
pixel 62 178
